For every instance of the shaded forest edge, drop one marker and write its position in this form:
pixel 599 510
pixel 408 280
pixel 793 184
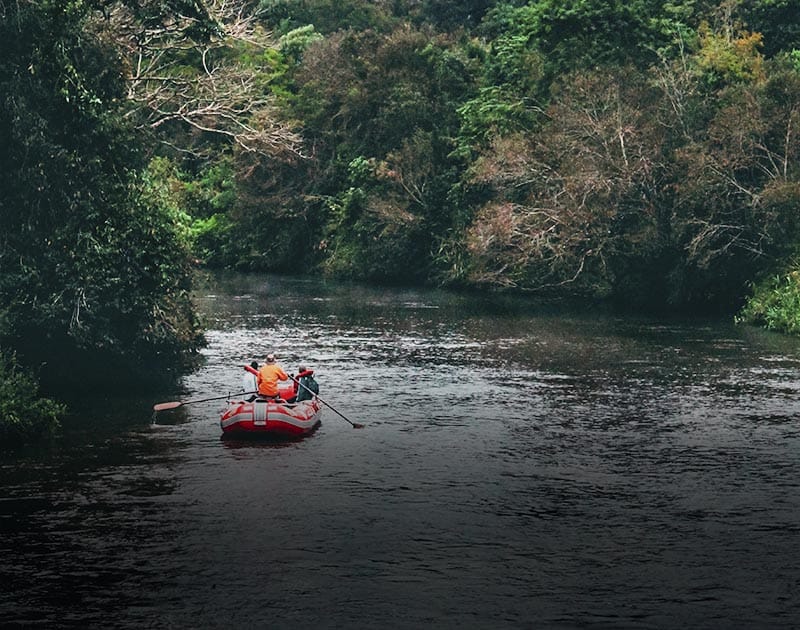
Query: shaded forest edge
pixel 642 154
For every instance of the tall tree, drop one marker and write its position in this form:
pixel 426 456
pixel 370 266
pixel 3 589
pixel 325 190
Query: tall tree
pixel 380 114
pixel 738 187
pixel 203 70
pixel 91 272
pixel 575 206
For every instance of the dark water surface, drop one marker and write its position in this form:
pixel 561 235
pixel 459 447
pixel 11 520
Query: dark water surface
pixel 519 467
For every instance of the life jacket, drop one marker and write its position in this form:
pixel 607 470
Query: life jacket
pixel 307 385
pixel 268 377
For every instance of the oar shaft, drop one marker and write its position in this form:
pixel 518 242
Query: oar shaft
pixel 327 404
pixel 176 404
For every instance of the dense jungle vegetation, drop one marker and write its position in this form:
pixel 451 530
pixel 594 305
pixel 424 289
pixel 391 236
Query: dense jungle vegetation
pixel 643 153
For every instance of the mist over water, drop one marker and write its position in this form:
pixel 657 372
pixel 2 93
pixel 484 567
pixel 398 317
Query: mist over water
pixel 520 466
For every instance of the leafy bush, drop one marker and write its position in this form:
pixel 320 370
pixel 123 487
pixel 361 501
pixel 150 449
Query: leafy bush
pixel 198 205
pixel 24 416
pixel 775 303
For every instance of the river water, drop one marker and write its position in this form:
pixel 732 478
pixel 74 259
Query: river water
pixel 520 466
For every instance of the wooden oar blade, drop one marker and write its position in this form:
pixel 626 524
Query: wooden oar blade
pixel 167 405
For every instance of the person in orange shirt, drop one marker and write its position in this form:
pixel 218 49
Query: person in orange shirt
pixel 268 377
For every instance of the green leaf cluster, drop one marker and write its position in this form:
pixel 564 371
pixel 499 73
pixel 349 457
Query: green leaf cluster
pixel 775 303
pixel 24 415
pixel 94 275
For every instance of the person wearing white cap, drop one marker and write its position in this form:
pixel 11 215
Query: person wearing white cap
pixel 268 377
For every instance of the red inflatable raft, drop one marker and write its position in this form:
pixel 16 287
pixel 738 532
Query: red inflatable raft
pixel 276 418
pixel 270 418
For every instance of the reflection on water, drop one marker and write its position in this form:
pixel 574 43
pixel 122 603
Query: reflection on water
pixel 520 466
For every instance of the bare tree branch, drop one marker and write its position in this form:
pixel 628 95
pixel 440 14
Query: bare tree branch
pixel 202 82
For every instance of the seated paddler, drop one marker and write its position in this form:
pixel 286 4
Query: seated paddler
pixel 268 377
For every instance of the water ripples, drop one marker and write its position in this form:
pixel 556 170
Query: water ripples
pixel 517 469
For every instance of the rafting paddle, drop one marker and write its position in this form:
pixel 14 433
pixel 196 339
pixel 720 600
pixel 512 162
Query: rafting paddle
pixel 356 425
pixel 177 403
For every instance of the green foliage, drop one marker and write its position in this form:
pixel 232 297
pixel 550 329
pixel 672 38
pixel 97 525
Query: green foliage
pixel 24 415
pixel 775 303
pixel 574 206
pixel 513 59
pixel 794 60
pixel 644 151
pixel 199 207
pixel 345 255
pixel 327 16
pixel 452 14
pixel 778 21
pixel 92 272
pixel 737 188
pixel 726 59
pixel 274 224
pixel 574 34
pixel 294 43
pixel 493 112
pixel 380 111
pixel 369 91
